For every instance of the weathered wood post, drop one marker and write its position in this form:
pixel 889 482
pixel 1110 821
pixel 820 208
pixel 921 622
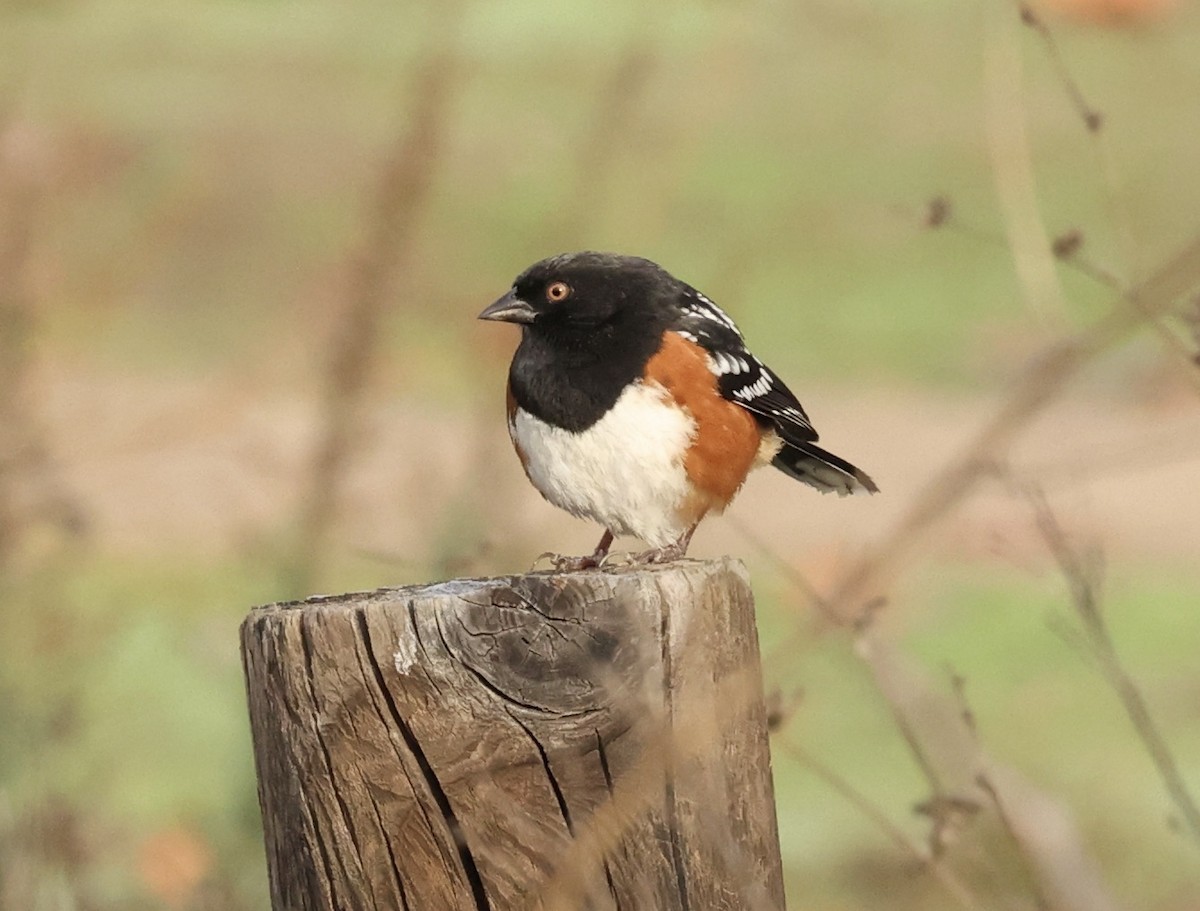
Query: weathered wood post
pixel 592 740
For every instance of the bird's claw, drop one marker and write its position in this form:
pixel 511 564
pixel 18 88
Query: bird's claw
pixel 657 555
pixel 561 563
pixel 676 550
pixel 602 558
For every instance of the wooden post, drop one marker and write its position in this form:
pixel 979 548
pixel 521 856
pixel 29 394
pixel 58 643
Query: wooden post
pixel 591 740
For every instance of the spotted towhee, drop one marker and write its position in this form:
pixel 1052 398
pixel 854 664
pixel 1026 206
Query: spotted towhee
pixel 633 401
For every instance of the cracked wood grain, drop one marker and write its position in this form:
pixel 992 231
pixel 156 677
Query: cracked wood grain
pixel 452 746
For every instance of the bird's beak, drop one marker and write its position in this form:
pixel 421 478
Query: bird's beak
pixel 510 309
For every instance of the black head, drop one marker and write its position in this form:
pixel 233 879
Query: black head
pixel 590 322
pixel 584 292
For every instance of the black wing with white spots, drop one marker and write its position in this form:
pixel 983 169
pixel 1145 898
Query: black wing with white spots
pixel 741 377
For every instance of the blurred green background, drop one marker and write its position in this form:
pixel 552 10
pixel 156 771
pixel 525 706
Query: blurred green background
pixel 227 227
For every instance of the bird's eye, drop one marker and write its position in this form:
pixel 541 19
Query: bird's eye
pixel 557 291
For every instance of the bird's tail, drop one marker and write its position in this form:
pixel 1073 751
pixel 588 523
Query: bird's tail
pixel 822 470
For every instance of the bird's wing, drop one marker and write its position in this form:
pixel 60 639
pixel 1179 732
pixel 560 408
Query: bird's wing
pixel 741 377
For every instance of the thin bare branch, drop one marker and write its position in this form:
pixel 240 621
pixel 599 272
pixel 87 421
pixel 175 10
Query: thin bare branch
pixel 398 207
pixel 909 734
pixel 873 812
pixel 1062 874
pixel 1093 121
pixel 1191 320
pixel 31 487
pixel 791 573
pixel 600 147
pixel 936 746
pixel 855 798
pixel 939 214
pixel 1068 248
pixel 1010 830
pixel 1083 579
pixel 1011 155
pixel 1040 385
pixel 1092 118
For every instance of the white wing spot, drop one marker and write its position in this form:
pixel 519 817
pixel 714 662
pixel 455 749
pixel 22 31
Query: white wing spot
pixel 723 363
pixel 729 363
pixel 754 390
pixel 713 312
pixel 701 307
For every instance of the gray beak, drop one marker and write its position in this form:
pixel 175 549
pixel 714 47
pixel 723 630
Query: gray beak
pixel 510 309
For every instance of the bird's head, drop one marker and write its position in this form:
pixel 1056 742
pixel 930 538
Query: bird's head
pixel 583 291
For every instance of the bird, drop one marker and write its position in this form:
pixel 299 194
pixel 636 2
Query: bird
pixel 633 401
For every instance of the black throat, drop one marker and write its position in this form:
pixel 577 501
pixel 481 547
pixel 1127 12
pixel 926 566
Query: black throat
pixel 570 376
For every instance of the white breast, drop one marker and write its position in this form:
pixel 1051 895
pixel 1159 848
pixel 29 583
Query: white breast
pixel 625 471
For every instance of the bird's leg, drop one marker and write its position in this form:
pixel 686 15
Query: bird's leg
pixel 668 554
pixel 564 564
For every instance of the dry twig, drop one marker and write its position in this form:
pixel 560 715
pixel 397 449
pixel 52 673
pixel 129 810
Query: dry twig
pixel 1040 385
pixel 933 864
pixel 1068 249
pixel 1061 874
pixel 609 129
pixel 1063 877
pixel 1092 118
pixel 1013 173
pixel 1093 121
pixel 1083 577
pixel 31 489
pixel 398 207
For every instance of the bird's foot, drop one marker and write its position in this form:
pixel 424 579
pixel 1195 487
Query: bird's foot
pixel 562 563
pixel 668 554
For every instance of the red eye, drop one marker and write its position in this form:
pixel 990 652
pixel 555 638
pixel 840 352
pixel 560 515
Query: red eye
pixel 558 291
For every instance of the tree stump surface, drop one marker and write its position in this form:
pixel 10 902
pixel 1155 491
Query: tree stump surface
pixel 586 740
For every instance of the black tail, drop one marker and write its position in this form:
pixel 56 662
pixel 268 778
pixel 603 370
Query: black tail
pixel 822 470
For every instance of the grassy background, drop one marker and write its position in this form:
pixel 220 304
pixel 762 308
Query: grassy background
pixel 203 177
